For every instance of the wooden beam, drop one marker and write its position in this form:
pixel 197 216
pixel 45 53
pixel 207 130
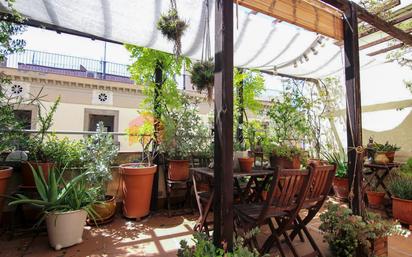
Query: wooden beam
pixel 391 22
pixel 318 18
pixel 373 20
pixel 353 109
pixel 380 41
pixel 223 152
pixel 385 50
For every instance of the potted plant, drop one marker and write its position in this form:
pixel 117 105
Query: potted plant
pixel 384 153
pixel 340 182
pixel 65 205
pixel 346 233
pixel 97 155
pixel 138 177
pixel 401 190
pixel 203 76
pixel 38 154
pixel 375 195
pixel 172 27
pixel 285 156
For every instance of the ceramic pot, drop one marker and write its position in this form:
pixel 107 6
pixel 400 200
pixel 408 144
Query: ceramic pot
pixel 375 199
pixel 27 173
pixel 341 188
pixel 381 158
pixel 402 210
pixel 246 164
pixel 178 170
pixel 104 211
pixel 5 174
pixel 391 156
pixel 137 189
pixel 286 163
pixel 236 156
pixel 65 228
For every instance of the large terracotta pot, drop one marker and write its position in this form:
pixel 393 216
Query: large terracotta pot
pixel 27 173
pixel 402 210
pixel 341 188
pixel 375 199
pixel 286 163
pixel 137 189
pixel 5 174
pixel 104 211
pixel 65 228
pixel 246 164
pixel 178 170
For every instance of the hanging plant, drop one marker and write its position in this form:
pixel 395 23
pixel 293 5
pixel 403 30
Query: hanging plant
pixel 173 28
pixel 203 75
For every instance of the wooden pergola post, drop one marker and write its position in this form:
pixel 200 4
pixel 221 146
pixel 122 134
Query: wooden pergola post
pixel 223 152
pixel 353 108
pixel 241 111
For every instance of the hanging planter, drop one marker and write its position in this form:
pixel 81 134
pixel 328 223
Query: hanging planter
pixel 203 75
pixel 173 28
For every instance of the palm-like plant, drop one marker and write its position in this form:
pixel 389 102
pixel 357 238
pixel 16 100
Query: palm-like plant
pixel 340 159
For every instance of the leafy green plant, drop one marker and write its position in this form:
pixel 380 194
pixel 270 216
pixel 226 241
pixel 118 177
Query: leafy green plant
pixel 173 28
pixel 284 151
pixel 204 247
pixel 183 129
pixel 340 160
pixel 202 76
pixel 62 151
pixel 406 168
pixel 57 195
pixel 345 232
pixel 36 144
pixel 98 153
pixel 385 147
pixel 401 187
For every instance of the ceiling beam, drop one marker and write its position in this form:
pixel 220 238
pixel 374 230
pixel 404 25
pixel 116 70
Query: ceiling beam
pixel 373 20
pixel 319 17
pixel 380 41
pixel 393 21
pixel 385 50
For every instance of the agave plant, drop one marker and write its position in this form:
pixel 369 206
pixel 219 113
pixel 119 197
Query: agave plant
pixel 341 162
pixel 57 195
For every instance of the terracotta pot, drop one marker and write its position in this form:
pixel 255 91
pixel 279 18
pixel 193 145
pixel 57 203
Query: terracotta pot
pixel 5 174
pixel 285 163
pixel 104 210
pixel 137 189
pixel 375 199
pixel 178 170
pixel 65 228
pixel 264 195
pixel 381 158
pixel 402 210
pixel 341 188
pixel 27 173
pixel 246 164
pixel 379 247
pixel 391 156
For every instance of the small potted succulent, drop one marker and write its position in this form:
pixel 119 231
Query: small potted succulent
pixel 347 233
pixel 401 190
pixel 65 205
pixel 340 182
pixel 98 153
pixel 384 153
pixel 138 177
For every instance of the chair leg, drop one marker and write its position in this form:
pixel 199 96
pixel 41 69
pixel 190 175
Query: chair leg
pixel 277 241
pixel 312 241
pixel 289 243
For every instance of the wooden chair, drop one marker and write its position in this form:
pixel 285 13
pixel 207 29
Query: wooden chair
pixel 287 193
pixel 317 194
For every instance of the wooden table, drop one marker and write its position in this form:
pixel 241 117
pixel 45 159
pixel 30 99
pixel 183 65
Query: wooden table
pixel 380 172
pixel 253 178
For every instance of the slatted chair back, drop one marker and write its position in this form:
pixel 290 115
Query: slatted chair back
pixel 322 182
pixel 287 192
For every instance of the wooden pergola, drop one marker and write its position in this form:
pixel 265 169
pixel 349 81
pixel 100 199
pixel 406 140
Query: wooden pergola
pixel 337 19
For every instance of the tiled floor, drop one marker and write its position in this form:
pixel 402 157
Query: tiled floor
pixel 157 236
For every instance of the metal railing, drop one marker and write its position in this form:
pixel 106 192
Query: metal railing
pixel 59 61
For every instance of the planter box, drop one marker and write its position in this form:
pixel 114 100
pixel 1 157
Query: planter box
pixel 379 247
pixel 402 210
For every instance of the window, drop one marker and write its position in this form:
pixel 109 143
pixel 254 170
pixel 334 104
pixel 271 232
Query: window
pixel 24 117
pixel 110 119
